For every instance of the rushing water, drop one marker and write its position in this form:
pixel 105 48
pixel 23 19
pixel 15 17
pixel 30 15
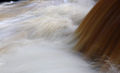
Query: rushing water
pixel 35 36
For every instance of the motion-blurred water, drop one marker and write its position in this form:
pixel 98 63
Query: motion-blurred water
pixel 36 35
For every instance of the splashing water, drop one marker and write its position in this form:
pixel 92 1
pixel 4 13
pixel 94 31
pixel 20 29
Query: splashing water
pixel 35 36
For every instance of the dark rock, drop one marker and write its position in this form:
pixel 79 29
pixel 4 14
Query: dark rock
pixel 2 1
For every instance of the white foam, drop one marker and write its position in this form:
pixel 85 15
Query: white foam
pixel 37 41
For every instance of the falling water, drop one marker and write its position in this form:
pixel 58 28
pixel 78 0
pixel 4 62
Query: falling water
pixel 99 36
pixel 35 36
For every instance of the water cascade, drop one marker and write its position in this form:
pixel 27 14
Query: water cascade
pixel 99 35
pixel 41 36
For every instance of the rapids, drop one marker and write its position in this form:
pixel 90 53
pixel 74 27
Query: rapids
pixel 36 36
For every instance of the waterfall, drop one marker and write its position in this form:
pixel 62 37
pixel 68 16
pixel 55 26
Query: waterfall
pixel 99 35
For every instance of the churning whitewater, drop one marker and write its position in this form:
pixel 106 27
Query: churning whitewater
pixel 36 35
